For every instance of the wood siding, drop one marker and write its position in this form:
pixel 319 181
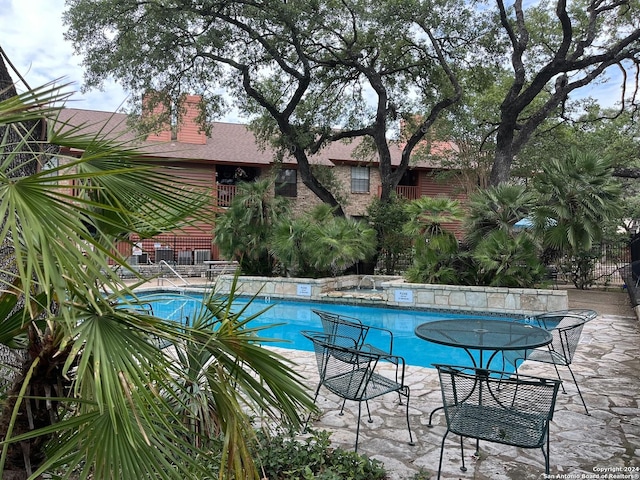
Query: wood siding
pixel 430 185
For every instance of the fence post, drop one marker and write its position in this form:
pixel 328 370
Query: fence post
pixel 634 247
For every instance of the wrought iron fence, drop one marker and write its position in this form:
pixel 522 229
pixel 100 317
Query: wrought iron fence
pixel 630 273
pixel 612 258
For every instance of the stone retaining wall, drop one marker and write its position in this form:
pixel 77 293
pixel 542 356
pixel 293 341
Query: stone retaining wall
pixel 393 291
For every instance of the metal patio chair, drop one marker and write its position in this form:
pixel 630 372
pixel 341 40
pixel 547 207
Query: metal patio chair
pixel 487 405
pixel 343 326
pixel 550 320
pixel 354 374
pixel 566 327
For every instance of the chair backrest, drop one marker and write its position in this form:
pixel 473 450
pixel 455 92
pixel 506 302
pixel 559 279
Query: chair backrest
pixel 489 405
pixel 549 320
pixel 344 370
pixel 566 327
pixel 343 326
pixel 566 337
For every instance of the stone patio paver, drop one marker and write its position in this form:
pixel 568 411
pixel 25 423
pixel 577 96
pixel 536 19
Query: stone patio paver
pixel 607 366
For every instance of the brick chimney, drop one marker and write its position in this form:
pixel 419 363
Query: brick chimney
pixel 163 131
pixel 189 131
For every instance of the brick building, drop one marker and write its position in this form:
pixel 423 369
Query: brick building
pixel 231 154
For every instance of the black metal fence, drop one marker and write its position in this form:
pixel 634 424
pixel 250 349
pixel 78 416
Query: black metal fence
pixel 611 259
pixel 630 273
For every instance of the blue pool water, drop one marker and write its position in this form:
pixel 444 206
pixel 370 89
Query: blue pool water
pixel 293 317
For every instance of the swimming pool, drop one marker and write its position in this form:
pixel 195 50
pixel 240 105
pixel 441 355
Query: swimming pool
pixel 293 317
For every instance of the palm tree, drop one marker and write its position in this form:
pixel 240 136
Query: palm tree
pixel 508 260
pixel 318 243
pixel 93 396
pixel 496 208
pixel 243 230
pixel 436 247
pixel 576 197
pixel 429 216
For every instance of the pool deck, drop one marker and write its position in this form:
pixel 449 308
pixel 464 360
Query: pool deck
pixel 607 366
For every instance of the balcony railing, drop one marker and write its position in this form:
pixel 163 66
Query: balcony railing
pixel 409 192
pixel 225 194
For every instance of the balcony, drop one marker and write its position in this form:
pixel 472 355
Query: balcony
pixel 225 194
pixel 408 192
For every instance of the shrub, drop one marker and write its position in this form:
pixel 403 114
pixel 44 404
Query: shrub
pixel 387 219
pixel 319 244
pixel 243 231
pixel 508 260
pixel 280 456
pixel 285 458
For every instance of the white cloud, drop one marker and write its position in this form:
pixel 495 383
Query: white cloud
pixel 608 88
pixel 32 38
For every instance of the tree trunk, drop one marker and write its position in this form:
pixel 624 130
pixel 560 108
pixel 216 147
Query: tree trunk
pixel 500 172
pixel 312 183
pixel 626 172
pixel 24 457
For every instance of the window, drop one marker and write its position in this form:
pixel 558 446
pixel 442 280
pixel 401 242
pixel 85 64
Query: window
pixel 359 179
pixel 287 183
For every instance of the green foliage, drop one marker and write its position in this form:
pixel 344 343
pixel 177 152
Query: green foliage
pixel 422 474
pixel 579 267
pixel 496 208
pixel 318 243
pixel 435 247
pixel 576 198
pixel 326 176
pixel 387 219
pixel 508 260
pixel 244 230
pixel 94 397
pixel 435 265
pixel 285 458
pixel 429 216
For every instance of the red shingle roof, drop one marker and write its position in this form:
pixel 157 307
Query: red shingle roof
pixel 228 143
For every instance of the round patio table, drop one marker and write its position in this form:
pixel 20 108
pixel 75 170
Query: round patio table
pixel 484 335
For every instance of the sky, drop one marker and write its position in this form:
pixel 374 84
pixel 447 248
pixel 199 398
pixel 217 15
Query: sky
pixel 31 34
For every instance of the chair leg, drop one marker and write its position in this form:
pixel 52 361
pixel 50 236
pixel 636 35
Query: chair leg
pixel 358 425
pixel 578 388
pixel 546 454
pixel 411 442
pixel 431 415
pixel 559 378
pixel 315 397
pixel 463 467
pixel 368 411
pixel 442 452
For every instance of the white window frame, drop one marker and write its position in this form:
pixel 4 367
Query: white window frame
pixel 360 179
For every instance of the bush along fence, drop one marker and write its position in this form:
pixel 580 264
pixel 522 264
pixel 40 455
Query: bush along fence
pixel 606 266
pixel 602 267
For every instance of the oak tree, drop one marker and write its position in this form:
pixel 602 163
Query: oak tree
pixel 307 73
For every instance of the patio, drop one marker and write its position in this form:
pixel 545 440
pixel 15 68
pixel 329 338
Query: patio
pixel 607 366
